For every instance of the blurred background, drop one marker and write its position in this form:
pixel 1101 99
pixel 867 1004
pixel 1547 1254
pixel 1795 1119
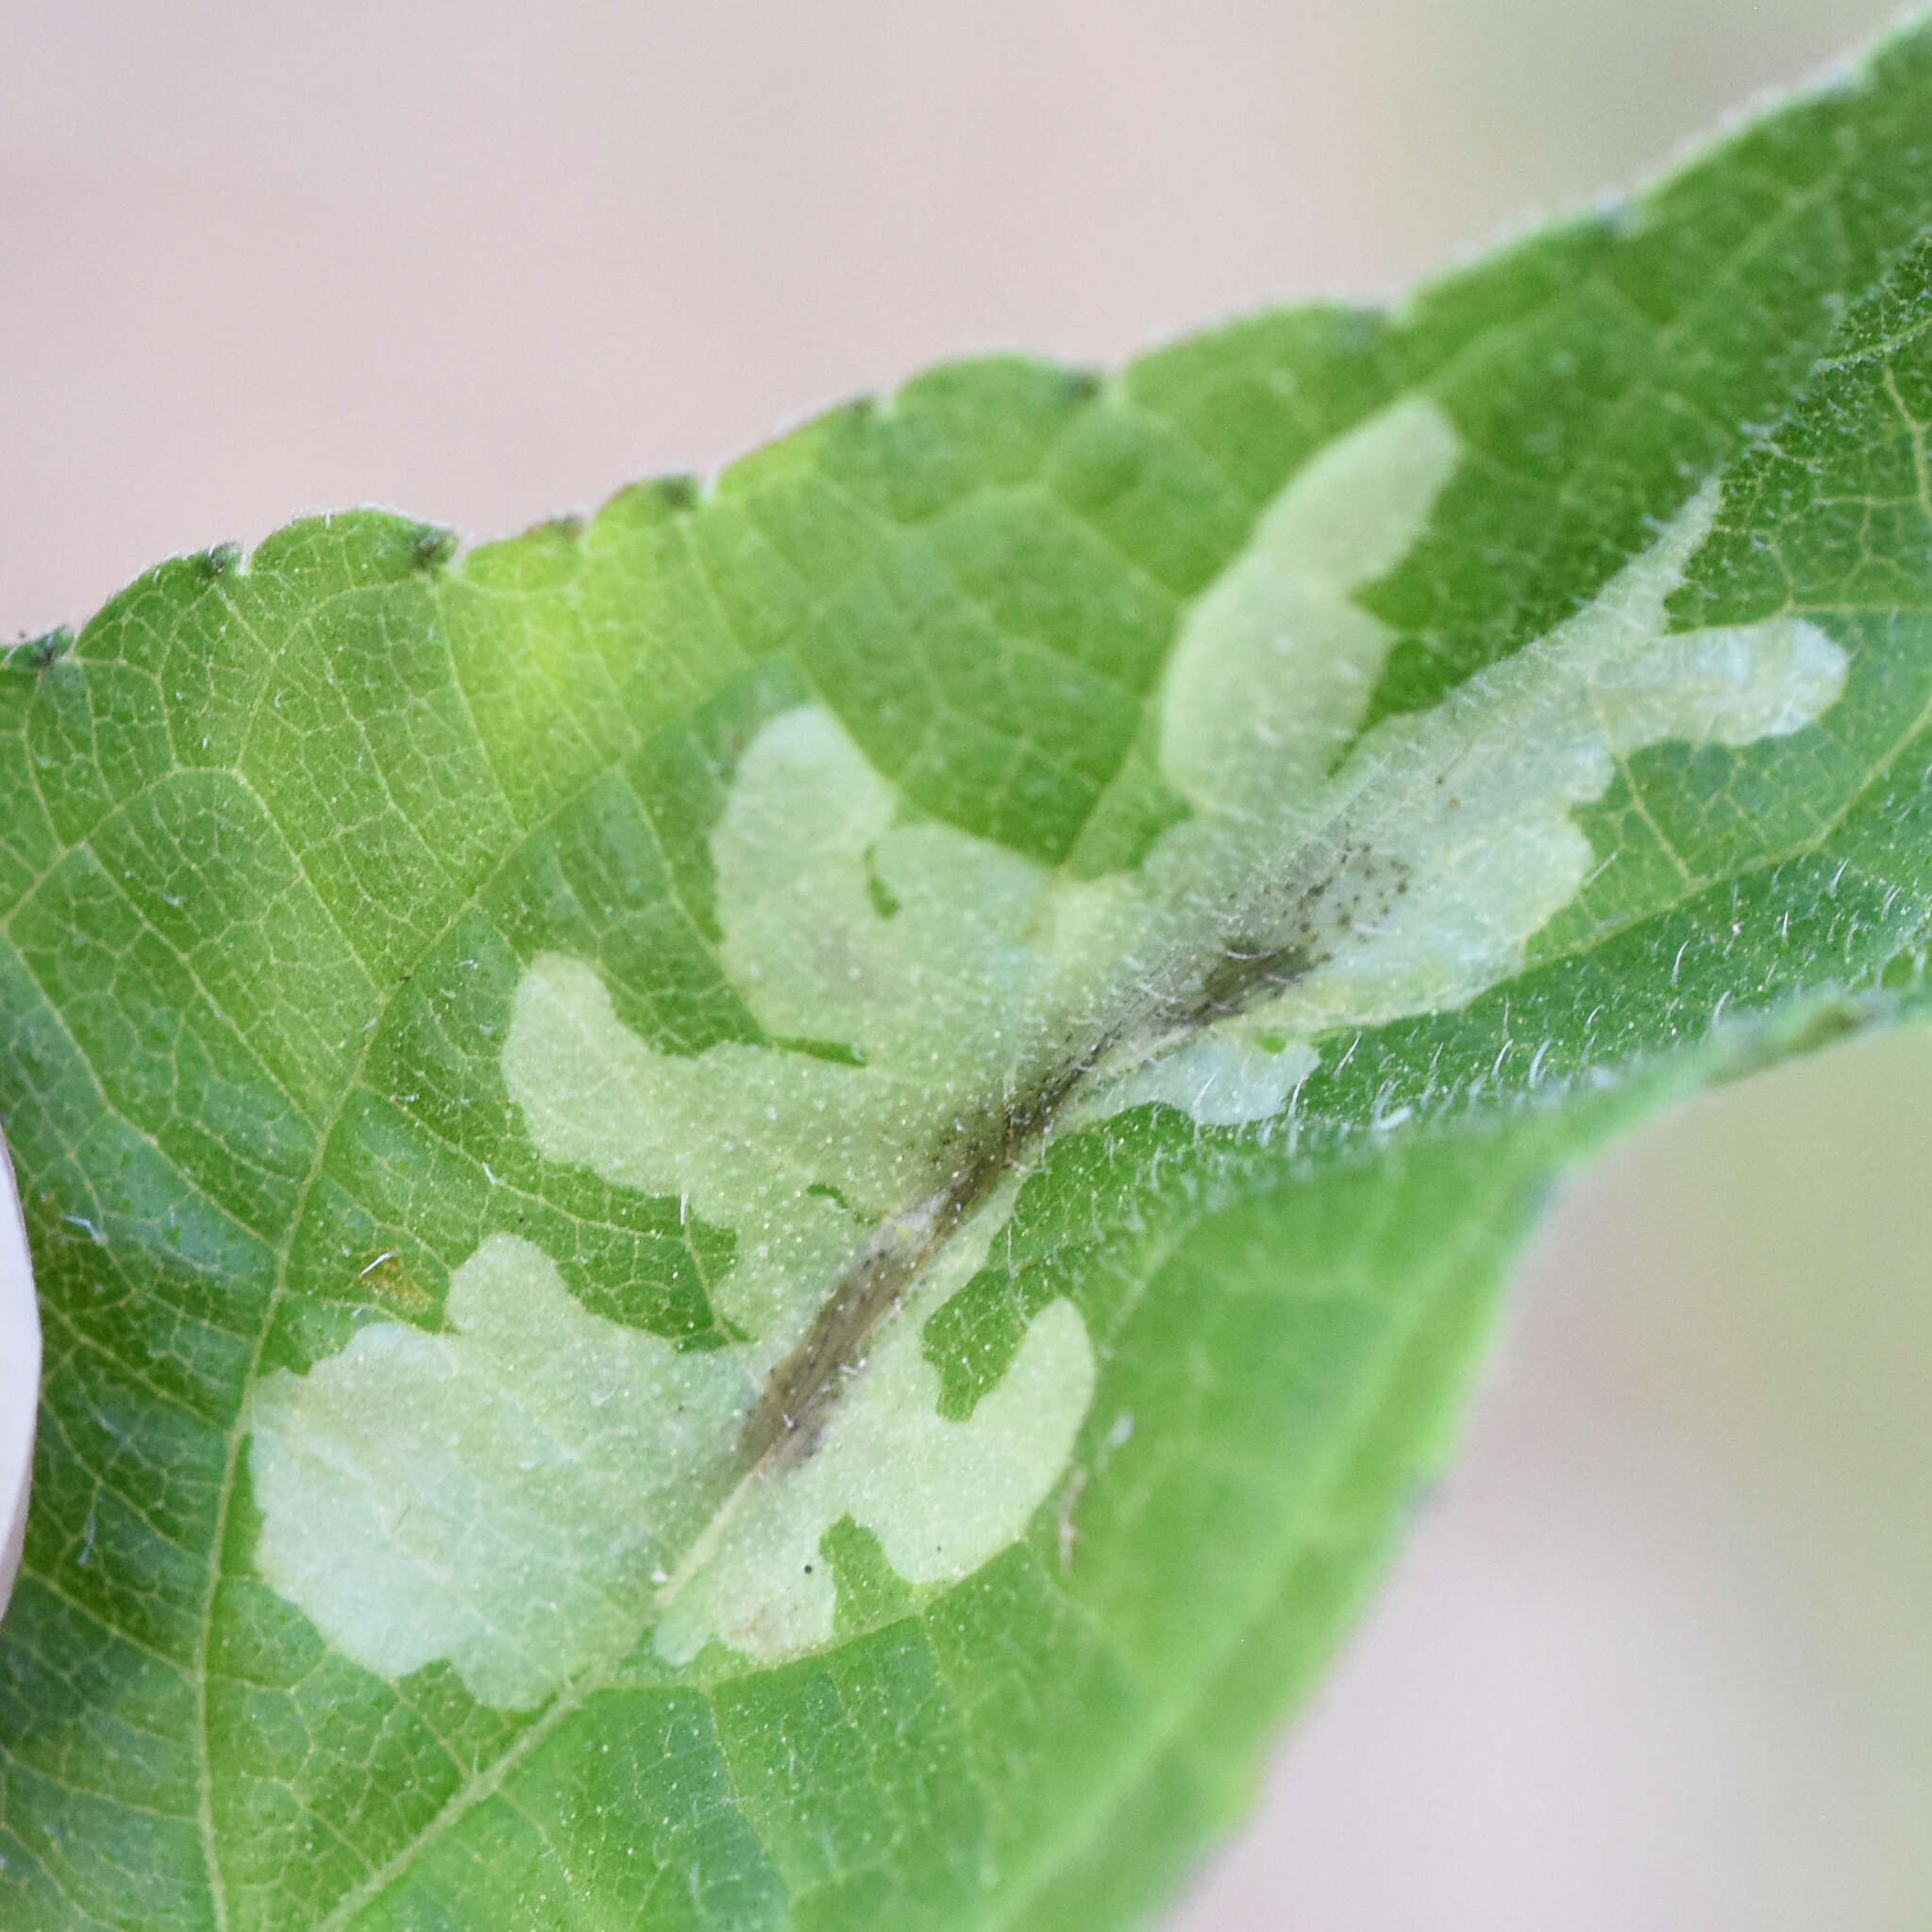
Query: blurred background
pixel 1659 1655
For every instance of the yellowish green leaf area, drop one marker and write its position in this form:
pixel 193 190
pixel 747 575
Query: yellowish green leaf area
pixel 758 1217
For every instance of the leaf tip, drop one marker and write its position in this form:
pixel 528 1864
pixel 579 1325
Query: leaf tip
pixel 218 561
pixel 48 649
pixel 434 548
pixel 643 505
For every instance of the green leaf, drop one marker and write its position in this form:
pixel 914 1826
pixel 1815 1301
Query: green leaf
pixel 759 1216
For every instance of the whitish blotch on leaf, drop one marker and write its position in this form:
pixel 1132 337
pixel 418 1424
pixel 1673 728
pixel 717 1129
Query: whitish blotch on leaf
pixel 526 1494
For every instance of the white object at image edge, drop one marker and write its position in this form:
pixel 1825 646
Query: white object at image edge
pixel 20 1376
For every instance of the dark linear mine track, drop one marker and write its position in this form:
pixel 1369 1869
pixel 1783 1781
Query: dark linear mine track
pixel 801 1391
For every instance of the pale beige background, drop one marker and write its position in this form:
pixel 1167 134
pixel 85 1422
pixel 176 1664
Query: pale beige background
pixel 1659 1657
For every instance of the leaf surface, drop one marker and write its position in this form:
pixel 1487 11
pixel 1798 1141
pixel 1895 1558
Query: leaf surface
pixel 759 1216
